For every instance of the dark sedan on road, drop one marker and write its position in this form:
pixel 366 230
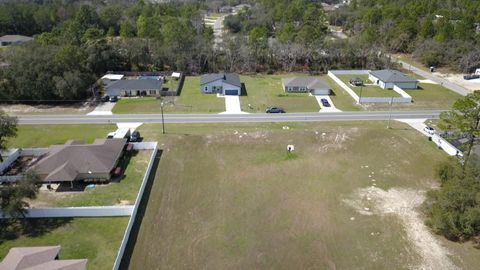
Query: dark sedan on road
pixel 275 110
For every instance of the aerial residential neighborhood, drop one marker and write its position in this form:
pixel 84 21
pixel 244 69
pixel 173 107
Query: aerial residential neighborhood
pixel 239 134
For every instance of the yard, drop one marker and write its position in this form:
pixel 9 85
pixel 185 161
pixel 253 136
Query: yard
pixel 123 192
pixel 266 90
pixel 191 100
pixel 230 197
pixel 95 239
pixel 367 90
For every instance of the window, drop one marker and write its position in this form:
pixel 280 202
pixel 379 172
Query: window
pixel 206 89
pixel 153 92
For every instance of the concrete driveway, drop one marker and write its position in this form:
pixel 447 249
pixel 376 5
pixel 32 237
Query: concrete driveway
pixel 324 109
pixel 232 105
pixel 104 108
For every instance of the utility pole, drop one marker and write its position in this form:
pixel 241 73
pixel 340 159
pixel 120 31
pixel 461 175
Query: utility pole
pixel 390 114
pixel 360 98
pixel 163 121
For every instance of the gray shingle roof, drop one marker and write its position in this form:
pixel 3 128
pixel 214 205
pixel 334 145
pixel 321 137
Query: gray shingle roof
pixel 230 78
pixel 66 162
pixel 135 85
pixel 391 76
pixel 310 83
pixel 33 258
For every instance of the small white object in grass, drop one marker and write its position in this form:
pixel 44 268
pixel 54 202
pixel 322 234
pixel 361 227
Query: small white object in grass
pixel 369 176
pixel 235 132
pixel 244 133
pixel 285 127
pixel 352 218
pixel 373 180
pixel 373 172
pixel 290 148
pixel 323 134
pixel 316 132
pixel 366 166
pixel 369 199
pixel 372 233
pixel 374 184
pixel 240 136
pixel 366 209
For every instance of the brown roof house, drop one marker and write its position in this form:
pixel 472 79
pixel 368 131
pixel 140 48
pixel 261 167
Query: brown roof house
pixel 39 258
pixel 76 161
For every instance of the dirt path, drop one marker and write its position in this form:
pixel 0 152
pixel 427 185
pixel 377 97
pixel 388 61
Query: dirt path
pixel 404 203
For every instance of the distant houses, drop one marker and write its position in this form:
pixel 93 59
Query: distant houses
pixel 306 85
pixel 388 78
pixel 13 40
pixel 221 83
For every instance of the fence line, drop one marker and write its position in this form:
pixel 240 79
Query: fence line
pixel 405 98
pixel 87 211
pixel 446 146
pixel 131 221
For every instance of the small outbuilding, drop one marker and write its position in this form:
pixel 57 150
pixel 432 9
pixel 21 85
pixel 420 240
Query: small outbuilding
pixel 221 83
pixel 388 78
pixel 305 84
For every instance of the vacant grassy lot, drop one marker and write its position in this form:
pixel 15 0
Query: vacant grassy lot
pixel 367 90
pixel 229 197
pixel 191 100
pixel 95 239
pixel 123 192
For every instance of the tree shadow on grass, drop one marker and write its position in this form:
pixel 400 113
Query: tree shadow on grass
pixel 132 238
pixel 11 229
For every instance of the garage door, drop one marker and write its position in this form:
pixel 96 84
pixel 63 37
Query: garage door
pixel 231 92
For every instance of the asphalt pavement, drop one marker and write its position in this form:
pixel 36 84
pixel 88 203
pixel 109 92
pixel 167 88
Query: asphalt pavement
pixel 225 118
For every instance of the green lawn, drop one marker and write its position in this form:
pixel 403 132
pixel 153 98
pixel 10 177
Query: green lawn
pixel 228 197
pixel 266 90
pixel 123 192
pixel 46 135
pixel 367 90
pixel 95 239
pixel 191 100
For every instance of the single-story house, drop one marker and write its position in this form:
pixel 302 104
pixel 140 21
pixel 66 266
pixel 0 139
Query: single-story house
pixel 303 85
pixel 77 161
pixel 137 87
pixel 46 257
pixel 387 78
pixel 13 40
pixel 221 83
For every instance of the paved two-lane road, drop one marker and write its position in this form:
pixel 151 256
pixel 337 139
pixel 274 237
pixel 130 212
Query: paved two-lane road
pixel 224 118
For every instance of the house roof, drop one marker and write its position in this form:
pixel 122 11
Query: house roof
pixel 230 78
pixel 134 85
pixel 36 258
pixel 391 76
pixel 112 77
pixel 15 38
pixel 66 162
pixel 310 83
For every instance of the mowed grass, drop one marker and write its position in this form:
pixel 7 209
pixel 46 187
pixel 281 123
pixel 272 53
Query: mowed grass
pixel 367 90
pixel 266 90
pixel 191 100
pixel 122 192
pixel 229 197
pixel 95 239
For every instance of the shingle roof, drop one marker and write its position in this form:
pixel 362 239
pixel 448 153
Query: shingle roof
pixel 135 85
pixel 311 83
pixel 15 38
pixel 36 258
pixel 391 76
pixel 230 78
pixel 66 162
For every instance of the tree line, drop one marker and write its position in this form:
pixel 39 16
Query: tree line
pixel 439 33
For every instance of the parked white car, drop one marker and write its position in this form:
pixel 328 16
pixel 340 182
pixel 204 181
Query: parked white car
pixel 429 130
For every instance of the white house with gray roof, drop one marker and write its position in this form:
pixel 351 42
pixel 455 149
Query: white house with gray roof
pixel 387 78
pixel 221 83
pixel 133 87
pixel 304 84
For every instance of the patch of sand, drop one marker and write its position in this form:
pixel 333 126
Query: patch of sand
pixel 458 79
pixel 403 203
